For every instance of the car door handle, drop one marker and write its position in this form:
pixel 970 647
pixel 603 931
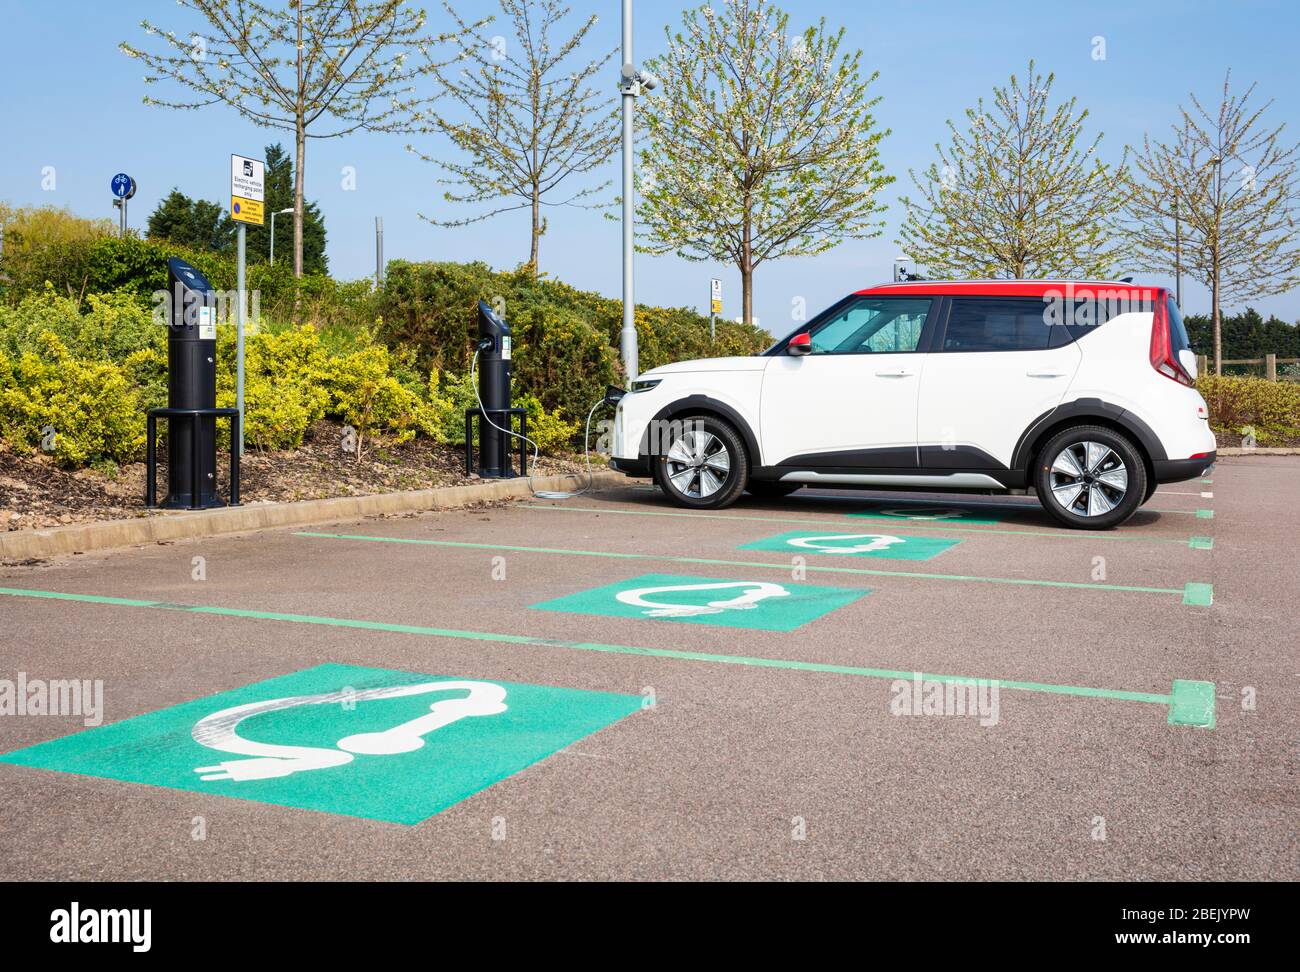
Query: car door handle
pixel 1045 374
pixel 896 373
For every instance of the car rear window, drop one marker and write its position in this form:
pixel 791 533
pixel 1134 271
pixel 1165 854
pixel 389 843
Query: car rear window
pixel 1001 324
pixel 1178 339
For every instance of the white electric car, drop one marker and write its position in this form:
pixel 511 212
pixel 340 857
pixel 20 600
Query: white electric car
pixel 1081 393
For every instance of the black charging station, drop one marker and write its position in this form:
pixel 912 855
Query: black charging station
pixel 495 459
pixel 191 410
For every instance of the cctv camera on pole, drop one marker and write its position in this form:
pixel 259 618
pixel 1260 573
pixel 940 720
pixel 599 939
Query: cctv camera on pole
pixel 905 269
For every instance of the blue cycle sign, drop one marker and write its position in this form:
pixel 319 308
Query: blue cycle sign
pixel 123 186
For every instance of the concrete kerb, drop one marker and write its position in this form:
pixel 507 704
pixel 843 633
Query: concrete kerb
pixel 190 524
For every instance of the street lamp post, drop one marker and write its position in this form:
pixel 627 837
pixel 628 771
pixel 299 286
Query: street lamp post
pixel 278 212
pixel 631 83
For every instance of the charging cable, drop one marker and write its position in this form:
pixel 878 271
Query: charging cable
pixel 532 470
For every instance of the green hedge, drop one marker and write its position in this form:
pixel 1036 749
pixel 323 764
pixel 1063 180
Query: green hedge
pixel 392 361
pixel 81 412
pixel 1239 405
pixel 565 339
pixel 105 327
pixel 90 378
pixel 80 269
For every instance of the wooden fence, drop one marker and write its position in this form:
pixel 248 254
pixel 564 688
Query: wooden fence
pixel 1269 361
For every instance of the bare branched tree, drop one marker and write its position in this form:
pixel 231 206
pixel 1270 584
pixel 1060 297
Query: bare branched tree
pixel 317 68
pixel 762 144
pixel 531 119
pixel 1017 193
pixel 1231 184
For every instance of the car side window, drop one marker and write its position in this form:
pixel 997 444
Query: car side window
pixel 1003 324
pixel 873 325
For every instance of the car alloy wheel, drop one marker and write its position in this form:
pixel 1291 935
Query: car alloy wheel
pixel 1089 478
pixel 698 464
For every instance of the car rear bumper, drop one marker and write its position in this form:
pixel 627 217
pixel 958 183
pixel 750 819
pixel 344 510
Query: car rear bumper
pixel 1177 470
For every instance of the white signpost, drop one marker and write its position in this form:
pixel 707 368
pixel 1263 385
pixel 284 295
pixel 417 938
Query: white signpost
pixel 247 199
pixel 715 305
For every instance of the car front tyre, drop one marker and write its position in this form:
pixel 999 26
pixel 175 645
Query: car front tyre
pixel 705 465
pixel 1090 477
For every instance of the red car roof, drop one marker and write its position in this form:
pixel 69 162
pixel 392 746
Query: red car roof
pixel 1013 288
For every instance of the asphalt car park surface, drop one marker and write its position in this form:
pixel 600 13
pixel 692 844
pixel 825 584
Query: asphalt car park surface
pixel 737 742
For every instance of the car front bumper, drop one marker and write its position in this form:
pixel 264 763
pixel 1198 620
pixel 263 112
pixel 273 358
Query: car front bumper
pixel 631 467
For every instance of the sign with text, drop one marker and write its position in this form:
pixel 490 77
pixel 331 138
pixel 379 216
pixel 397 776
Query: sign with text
pixel 247 190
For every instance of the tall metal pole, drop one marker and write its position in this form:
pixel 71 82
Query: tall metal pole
pixel 627 337
pixel 240 312
pixel 379 251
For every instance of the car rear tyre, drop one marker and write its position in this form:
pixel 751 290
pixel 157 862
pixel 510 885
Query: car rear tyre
pixel 1090 477
pixel 763 490
pixel 705 466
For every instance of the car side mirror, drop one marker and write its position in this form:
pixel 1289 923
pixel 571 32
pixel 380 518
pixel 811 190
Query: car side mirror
pixel 800 345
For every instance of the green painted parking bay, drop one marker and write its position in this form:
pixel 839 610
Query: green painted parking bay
pixel 759 604
pixel 928 513
pixel 363 742
pixel 1191 703
pixel 891 546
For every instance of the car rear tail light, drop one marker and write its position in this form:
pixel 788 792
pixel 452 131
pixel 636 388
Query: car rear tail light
pixel 1163 358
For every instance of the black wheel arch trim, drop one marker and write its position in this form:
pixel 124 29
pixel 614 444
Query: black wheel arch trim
pixel 694 403
pixel 1083 409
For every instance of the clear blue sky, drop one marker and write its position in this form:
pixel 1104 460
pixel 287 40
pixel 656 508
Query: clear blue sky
pixel 72 101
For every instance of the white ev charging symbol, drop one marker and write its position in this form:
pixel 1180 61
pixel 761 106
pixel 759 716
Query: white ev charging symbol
pixel 268 760
pixel 754 593
pixel 875 541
